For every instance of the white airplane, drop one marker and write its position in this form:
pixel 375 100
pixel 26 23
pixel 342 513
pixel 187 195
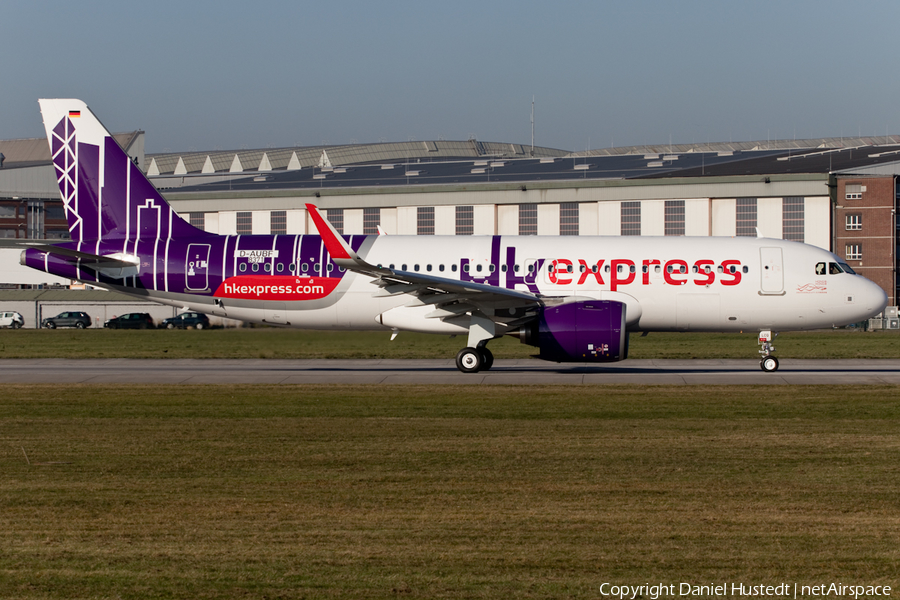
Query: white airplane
pixel 575 298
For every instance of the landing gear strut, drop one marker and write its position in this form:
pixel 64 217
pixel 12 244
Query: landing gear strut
pixel 767 362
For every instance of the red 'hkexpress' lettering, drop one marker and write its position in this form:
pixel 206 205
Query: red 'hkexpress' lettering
pixel 622 272
pixel 614 280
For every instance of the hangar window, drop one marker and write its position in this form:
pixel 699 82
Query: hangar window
pixel 674 217
pixel 244 223
pixel 465 220
pixel 793 218
pixel 853 191
pixel 425 220
pixel 278 222
pixel 854 222
pixel 568 218
pixel 336 218
pixel 528 219
pixel 198 219
pixel 630 218
pixel 745 224
pixel 371 220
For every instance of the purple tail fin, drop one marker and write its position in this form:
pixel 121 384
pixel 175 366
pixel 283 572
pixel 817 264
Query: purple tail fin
pixel 107 197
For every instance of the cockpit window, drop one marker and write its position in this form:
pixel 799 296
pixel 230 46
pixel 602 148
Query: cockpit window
pixel 846 268
pixel 820 268
pixel 834 269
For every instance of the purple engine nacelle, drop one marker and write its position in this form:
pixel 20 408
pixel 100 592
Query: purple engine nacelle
pixel 586 331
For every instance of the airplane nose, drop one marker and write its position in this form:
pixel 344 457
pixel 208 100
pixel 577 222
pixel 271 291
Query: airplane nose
pixel 874 299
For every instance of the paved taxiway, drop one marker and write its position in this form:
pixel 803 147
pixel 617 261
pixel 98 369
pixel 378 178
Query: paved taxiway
pixel 442 372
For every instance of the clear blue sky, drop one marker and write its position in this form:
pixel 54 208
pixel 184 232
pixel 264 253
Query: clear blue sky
pixel 231 75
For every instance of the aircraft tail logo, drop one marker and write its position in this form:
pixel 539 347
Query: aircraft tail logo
pixel 106 196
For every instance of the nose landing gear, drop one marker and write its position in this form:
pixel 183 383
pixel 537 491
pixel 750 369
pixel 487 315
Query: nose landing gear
pixel 767 362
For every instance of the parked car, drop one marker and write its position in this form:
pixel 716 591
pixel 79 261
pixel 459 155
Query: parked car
pixel 185 320
pixel 11 319
pixel 131 321
pixel 68 319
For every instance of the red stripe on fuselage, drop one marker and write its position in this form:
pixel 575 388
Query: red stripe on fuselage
pixel 277 287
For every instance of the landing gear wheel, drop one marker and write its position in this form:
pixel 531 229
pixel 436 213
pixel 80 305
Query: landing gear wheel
pixel 469 360
pixel 769 364
pixel 487 358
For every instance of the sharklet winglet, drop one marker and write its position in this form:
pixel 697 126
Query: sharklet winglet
pixel 335 244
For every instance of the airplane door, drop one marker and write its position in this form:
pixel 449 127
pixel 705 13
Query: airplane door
pixel 196 267
pixel 771 271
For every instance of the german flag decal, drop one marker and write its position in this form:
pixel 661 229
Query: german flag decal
pixel 74 113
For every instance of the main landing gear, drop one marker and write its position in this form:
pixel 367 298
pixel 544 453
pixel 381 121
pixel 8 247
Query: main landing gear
pixel 767 362
pixel 476 357
pixel 472 360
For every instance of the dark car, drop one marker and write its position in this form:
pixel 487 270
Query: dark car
pixel 185 320
pixel 131 321
pixel 67 319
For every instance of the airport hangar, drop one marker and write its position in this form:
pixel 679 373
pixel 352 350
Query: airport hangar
pixel 836 193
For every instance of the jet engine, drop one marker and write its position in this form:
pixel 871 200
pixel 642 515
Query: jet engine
pixel 585 331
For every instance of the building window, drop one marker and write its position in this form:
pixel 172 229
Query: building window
pixel 854 222
pixel 245 223
pixel 336 218
pixel 745 223
pixel 853 191
pixel 674 224
pixel 425 220
pixel 631 218
pixel 8 211
pixel 465 220
pixel 198 220
pixel 528 219
pixel 371 220
pixel 8 232
pixel 568 218
pixel 278 222
pixel 793 218
pixel 853 251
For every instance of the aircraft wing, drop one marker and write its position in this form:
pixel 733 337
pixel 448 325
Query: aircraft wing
pixel 451 297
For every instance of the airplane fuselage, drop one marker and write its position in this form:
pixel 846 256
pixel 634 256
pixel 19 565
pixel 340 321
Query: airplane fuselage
pixel 666 284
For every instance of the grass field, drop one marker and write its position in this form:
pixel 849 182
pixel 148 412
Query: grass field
pixel 402 491
pixel 290 343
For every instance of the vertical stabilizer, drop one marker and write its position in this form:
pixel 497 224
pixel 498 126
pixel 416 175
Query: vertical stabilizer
pixel 107 197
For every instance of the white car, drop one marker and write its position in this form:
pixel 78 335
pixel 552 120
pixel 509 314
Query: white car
pixel 11 319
